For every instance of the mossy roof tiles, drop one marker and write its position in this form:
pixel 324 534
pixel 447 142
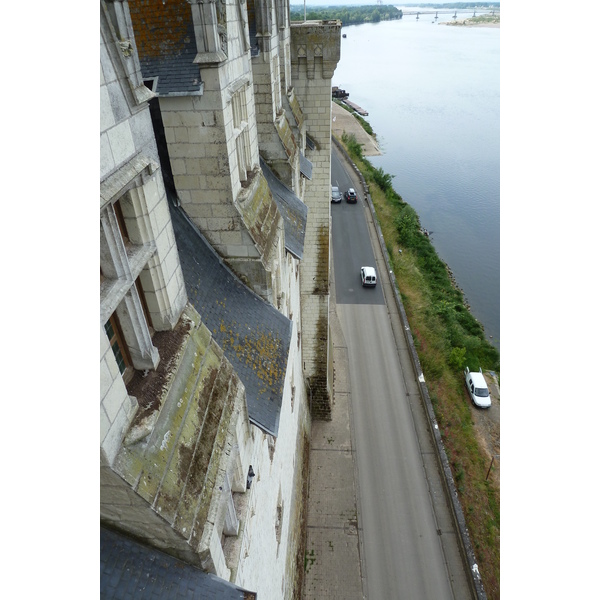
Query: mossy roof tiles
pixel 130 570
pixel 305 166
pixel 254 335
pixel 293 211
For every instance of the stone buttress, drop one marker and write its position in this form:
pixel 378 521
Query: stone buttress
pixel 315 52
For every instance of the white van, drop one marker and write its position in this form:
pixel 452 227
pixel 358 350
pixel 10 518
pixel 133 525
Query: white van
pixel 368 276
pixel 477 388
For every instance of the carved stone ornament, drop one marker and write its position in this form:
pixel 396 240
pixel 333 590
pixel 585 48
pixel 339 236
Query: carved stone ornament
pixel 126 47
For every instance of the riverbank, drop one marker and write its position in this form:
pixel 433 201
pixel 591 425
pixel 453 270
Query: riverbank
pixel 484 21
pixel 343 121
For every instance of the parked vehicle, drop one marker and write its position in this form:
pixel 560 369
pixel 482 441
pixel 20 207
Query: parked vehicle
pixel 336 196
pixel 350 196
pixel 478 389
pixel 368 277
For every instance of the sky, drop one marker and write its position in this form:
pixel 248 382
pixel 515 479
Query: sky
pixel 367 2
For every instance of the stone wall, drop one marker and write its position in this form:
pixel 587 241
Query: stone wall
pixel 315 51
pixel 272 536
pixel 141 279
pixel 166 457
pixel 212 136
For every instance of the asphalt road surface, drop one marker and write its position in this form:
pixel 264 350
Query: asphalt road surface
pixel 403 555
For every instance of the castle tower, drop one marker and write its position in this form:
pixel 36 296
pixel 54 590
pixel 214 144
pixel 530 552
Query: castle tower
pixel 315 52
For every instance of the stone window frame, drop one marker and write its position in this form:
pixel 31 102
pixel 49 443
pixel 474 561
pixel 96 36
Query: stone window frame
pixel 210 30
pixel 126 247
pixel 275 69
pixel 117 343
pixel 241 132
pixel 231 503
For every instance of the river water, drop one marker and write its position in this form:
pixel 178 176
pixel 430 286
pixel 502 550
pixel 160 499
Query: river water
pixel 433 96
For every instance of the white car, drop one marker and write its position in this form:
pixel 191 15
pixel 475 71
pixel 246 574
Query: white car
pixel 336 196
pixel 478 389
pixel 368 276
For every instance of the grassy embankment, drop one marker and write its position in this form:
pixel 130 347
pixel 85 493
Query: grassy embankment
pixel 447 338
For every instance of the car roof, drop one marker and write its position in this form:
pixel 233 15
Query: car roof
pixel 478 379
pixel 351 189
pixel 335 187
pixel 368 270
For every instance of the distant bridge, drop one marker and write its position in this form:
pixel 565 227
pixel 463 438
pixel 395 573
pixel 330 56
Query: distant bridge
pixel 455 11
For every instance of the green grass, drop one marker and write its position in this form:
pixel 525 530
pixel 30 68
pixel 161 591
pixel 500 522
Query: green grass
pixel 447 338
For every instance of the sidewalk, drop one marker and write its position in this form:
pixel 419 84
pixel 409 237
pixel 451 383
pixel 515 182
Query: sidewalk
pixel 332 559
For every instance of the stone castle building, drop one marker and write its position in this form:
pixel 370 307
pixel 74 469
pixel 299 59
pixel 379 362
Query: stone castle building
pixel 215 137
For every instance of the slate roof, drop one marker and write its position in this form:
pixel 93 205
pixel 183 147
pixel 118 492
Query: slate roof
pixel 131 571
pixel 253 334
pixel 293 211
pixel 305 166
pixel 166 44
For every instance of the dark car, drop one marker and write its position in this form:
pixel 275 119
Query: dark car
pixel 350 196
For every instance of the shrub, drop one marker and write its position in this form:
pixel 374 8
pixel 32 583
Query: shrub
pixel 407 225
pixel 382 179
pixel 457 359
pixel 354 148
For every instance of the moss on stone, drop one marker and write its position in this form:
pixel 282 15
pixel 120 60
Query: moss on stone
pixel 296 109
pixel 175 468
pixel 261 216
pixel 322 274
pixel 286 136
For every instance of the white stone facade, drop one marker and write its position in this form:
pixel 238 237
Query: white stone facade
pixel 142 287
pixel 246 105
pixel 270 538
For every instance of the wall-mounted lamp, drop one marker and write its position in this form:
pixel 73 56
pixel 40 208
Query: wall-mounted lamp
pixel 251 475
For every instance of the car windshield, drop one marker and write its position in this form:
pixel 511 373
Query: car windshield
pixel 482 392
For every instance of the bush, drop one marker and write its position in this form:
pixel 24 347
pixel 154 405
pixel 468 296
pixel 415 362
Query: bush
pixel 457 359
pixel 407 225
pixel 382 179
pixel 354 148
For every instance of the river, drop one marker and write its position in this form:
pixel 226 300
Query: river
pixel 433 96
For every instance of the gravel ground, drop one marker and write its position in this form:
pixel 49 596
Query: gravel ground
pixel 487 425
pixel 342 120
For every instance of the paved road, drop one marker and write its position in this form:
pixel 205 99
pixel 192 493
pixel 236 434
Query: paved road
pixel 401 544
pixel 351 244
